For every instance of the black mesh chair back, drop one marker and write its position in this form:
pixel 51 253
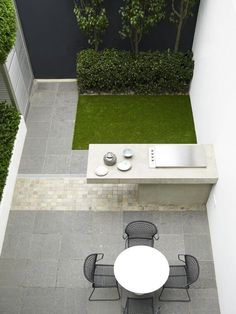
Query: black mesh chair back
pixel 100 275
pixel 89 267
pixel 141 230
pixel 181 277
pixel 140 306
pixel 192 269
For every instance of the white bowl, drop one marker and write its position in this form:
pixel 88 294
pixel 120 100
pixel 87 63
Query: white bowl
pixel 128 153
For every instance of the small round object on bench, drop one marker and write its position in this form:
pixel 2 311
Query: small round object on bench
pixel 101 171
pixel 128 153
pixel 124 165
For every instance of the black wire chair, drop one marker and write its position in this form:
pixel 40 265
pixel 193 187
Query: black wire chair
pixel 140 233
pixel 182 276
pixel 140 306
pixel 100 275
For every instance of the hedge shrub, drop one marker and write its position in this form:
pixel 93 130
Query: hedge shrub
pixel 9 122
pixel 7 28
pixel 116 71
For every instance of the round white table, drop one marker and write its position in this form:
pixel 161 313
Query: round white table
pixel 141 269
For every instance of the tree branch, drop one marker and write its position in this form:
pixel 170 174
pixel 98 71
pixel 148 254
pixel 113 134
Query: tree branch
pixel 186 8
pixel 174 9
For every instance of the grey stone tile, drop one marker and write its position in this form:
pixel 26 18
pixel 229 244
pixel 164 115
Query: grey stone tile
pixel 47 86
pixel 204 306
pixel 175 308
pixel 198 245
pixel 10 300
pixel 111 245
pixel 206 293
pixel 207 276
pixel 63 128
pixel 62 112
pixel 59 164
pixel 31 164
pixel 68 87
pixel 16 245
pixel 107 222
pixel 171 223
pixel 75 301
pixel 38 129
pixel 67 97
pixel 34 146
pixel 156 219
pixel 195 222
pixel 171 245
pixel 43 98
pixel 12 272
pixel 41 273
pixel 20 221
pixel 40 114
pixel 77 246
pixel 45 246
pixel 79 161
pixel 49 222
pixel 59 146
pixel 70 274
pixel 78 221
pixel 43 301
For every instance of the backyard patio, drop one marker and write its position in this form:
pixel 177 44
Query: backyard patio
pixel 114 173
pixel 57 219
pixel 41 267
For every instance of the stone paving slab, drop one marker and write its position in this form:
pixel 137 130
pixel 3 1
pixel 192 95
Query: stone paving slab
pixel 50 124
pixel 73 193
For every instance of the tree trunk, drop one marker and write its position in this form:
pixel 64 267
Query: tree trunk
pixel 136 42
pixel 96 45
pixel 178 34
pixel 96 41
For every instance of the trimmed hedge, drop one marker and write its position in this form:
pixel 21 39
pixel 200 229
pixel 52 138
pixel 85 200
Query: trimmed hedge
pixel 7 28
pixel 115 71
pixel 9 122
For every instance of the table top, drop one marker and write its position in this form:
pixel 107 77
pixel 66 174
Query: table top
pixel 141 269
pixel 141 173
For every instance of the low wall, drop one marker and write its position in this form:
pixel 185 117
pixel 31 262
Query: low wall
pixel 5 204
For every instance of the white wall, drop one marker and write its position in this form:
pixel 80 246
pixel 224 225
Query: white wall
pixel 19 73
pixel 213 97
pixel 6 200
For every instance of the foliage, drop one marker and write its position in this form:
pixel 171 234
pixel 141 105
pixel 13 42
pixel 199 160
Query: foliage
pixel 138 16
pixel 7 28
pixel 133 119
pixel 115 71
pixel 9 122
pixel 181 10
pixel 92 20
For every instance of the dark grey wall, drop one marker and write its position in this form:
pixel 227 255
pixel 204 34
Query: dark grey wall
pixel 53 37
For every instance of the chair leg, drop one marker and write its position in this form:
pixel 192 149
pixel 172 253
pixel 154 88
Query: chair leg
pixel 161 294
pixel 90 297
pixel 115 299
pixel 176 300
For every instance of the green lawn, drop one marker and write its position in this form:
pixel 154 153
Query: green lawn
pixel 133 119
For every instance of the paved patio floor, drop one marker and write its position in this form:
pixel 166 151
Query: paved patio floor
pixel 43 253
pixel 50 123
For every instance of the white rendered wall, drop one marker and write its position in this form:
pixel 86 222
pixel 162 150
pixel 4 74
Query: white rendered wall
pixel 213 97
pixel 6 200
